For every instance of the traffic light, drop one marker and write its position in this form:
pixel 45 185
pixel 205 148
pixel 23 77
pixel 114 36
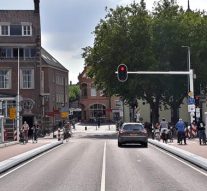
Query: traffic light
pixel 122 73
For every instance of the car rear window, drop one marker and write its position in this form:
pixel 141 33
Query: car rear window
pixel 133 127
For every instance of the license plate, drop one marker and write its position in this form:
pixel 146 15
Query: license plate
pixel 133 134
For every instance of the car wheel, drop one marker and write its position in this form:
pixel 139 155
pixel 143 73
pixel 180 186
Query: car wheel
pixel 145 145
pixel 119 144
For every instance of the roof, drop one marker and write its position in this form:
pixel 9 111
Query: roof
pixel 50 60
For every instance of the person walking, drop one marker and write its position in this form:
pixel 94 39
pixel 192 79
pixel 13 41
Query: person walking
pixel 66 131
pixel 201 131
pixel 180 126
pixel 35 129
pixel 98 122
pixel 164 130
pixel 73 123
pixel 25 126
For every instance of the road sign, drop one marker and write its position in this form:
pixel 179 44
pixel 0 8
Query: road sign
pixel 191 101
pixel 197 110
pixel 64 115
pixel 12 113
pixel 191 108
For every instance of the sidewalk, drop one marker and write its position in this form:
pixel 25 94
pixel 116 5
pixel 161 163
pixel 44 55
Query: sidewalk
pixel 192 152
pixel 192 146
pixel 16 149
pixel 15 153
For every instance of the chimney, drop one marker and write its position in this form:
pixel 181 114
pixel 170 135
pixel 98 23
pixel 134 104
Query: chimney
pixel 36 6
pixel 188 10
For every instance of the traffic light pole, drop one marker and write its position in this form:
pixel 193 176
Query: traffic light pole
pixel 190 73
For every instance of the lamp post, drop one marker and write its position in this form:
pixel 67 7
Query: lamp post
pixel 188 64
pixel 18 98
pixel 190 82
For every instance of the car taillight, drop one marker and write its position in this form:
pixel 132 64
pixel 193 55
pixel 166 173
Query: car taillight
pixel 144 131
pixel 121 131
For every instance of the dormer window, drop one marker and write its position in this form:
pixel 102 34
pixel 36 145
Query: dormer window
pixel 4 30
pixel 23 29
pixel 15 30
pixel 26 30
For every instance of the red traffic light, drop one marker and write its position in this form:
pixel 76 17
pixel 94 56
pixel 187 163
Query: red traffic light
pixel 122 68
pixel 122 73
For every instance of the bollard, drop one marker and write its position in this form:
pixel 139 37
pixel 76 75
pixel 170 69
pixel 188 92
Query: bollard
pixel 15 135
pixel 85 128
pixel 59 134
pixel 5 135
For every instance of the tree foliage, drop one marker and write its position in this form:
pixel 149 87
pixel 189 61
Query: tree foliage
pixel 74 92
pixel 148 41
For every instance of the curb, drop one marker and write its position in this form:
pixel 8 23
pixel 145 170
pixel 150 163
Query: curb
pixel 8 144
pixel 9 163
pixel 190 157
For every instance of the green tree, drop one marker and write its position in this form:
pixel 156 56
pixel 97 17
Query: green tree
pixel 74 92
pixel 123 37
pixel 142 40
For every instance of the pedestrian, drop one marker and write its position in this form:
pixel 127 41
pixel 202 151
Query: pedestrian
pixel 66 131
pixel 21 135
pixel 201 131
pixel 73 124
pixel 35 129
pixel 180 126
pixel 164 129
pixel 98 122
pixel 25 126
pixel 163 124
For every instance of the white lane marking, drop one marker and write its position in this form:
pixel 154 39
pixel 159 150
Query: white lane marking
pixel 180 160
pixel 103 176
pixel 29 161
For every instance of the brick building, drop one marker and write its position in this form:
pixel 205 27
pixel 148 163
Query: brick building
pixel 94 104
pixel 43 81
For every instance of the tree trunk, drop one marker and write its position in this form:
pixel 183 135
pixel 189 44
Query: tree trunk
pixel 175 115
pixel 155 112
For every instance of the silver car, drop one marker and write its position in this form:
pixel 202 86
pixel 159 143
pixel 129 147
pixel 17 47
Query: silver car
pixel 132 133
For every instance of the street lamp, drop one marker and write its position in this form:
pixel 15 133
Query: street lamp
pixel 190 80
pixel 188 47
pixel 188 59
pixel 18 98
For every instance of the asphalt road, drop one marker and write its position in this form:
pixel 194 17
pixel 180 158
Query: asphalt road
pixel 96 163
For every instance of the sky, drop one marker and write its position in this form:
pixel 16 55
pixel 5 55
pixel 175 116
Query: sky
pixel 67 25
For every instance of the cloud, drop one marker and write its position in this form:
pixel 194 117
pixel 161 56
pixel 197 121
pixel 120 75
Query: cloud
pixel 67 25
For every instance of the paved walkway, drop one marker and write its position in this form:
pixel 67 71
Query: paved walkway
pixel 192 146
pixel 16 149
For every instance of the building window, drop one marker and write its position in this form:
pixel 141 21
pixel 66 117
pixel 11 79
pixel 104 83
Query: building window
pixel 59 80
pixel 27 78
pixel 25 53
pixel 97 110
pixel 84 90
pixel 15 52
pixel 93 90
pixel 5 52
pixel 118 104
pixel 15 30
pixel 29 52
pixel 4 30
pixel 5 78
pixel 26 30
